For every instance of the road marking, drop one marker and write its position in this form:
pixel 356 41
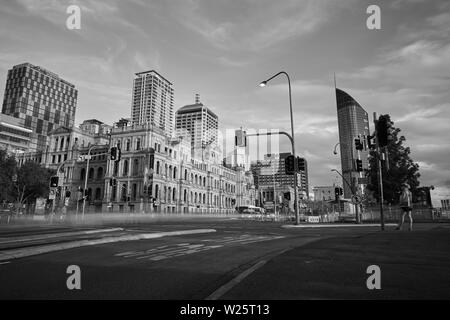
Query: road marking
pixel 228 286
pixel 6 262
pixel 181 249
pixel 20 253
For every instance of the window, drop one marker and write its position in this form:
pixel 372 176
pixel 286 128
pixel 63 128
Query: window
pixel 138 144
pixel 136 167
pixel 125 167
pixel 83 174
pixel 98 194
pixel 100 173
pixel 91 173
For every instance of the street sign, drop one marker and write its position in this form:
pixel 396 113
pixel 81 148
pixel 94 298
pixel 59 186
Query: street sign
pixel 363 180
pixel 356 199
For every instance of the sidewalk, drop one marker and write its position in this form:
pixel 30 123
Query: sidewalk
pixel 414 265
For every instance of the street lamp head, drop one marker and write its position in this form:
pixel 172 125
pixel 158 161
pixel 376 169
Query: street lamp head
pixel 263 84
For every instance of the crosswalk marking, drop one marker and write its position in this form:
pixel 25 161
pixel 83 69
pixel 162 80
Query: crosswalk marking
pixel 186 248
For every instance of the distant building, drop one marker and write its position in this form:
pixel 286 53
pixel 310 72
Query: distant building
pixel 353 121
pixel 445 204
pixel 94 126
pixel 153 101
pixel 325 193
pixel 200 124
pixel 40 99
pixel 272 170
pixel 14 138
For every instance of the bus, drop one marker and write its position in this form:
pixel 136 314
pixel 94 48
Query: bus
pixel 250 210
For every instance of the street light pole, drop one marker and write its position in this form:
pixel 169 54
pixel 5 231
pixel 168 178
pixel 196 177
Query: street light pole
pixel 263 84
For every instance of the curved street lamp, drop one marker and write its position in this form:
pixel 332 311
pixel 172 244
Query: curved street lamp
pixel 263 84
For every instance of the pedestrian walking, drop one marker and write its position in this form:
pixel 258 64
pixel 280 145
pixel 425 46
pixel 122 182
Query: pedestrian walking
pixel 406 206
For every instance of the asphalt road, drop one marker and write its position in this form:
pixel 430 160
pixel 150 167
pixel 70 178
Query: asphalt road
pixel 241 260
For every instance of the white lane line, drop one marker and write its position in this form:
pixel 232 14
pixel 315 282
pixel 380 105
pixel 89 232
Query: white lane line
pixel 6 262
pixel 228 286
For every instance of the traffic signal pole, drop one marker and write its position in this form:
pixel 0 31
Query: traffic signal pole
pixel 297 217
pixel 380 174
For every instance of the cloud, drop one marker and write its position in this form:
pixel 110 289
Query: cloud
pixel 255 25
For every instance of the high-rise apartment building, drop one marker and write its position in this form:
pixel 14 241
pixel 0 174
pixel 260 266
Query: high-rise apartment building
pixel 353 122
pixel 199 123
pixel 40 99
pixel 152 101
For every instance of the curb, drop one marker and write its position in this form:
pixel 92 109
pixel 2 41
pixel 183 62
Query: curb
pixel 288 226
pixel 21 253
pixel 57 235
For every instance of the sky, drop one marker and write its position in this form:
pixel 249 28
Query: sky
pixel 222 50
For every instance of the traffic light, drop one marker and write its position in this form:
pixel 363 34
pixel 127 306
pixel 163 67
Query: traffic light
pixel 287 196
pixel 358 144
pixel 370 143
pixel 384 130
pixel 359 167
pixel 113 153
pixel 112 182
pixel 289 164
pixel 54 181
pixel 336 193
pixel 68 194
pixel 301 165
pixel 341 191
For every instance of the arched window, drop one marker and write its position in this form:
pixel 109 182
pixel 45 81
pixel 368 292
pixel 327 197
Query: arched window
pixel 127 148
pixel 174 194
pixel 98 194
pixel 156 191
pixel 174 172
pixel 165 193
pixel 195 197
pixel 138 144
pixel 196 179
pixel 83 174
pixel 204 199
pixel 170 171
pixel 100 173
pixel 185 195
pixel 185 174
pixel 61 144
pixel 116 168
pixel 89 194
pixel 124 192
pixel 136 167
pixel 134 191
pixel 125 167
pixel 157 167
pixel 91 173
pixel 204 181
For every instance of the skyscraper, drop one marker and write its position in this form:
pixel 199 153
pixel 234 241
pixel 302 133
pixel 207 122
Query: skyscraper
pixel 40 99
pixel 353 121
pixel 152 101
pixel 199 123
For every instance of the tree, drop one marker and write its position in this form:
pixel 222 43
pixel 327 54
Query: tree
pixel 32 182
pixel 401 169
pixel 8 168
